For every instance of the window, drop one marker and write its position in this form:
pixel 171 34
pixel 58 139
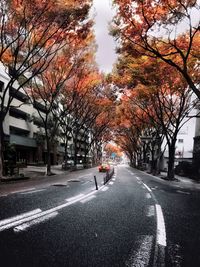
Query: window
pixel 180 140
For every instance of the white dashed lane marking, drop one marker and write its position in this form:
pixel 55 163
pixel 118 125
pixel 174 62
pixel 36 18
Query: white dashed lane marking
pixel 151 211
pixel 19 217
pixel 141 256
pixel 147 187
pixel 24 190
pixel 147 195
pixel 24 226
pixel 32 192
pixel 183 192
pixel 74 198
pixel 87 199
pixel 105 188
pixel 161 232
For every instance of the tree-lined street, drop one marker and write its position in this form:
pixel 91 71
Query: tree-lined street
pixel 99 168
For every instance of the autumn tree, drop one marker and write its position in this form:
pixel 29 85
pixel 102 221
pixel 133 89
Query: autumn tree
pixel 31 33
pixel 89 111
pixel 163 96
pixel 112 149
pixel 45 92
pixel 78 97
pixel 51 89
pixel 128 128
pixel 165 29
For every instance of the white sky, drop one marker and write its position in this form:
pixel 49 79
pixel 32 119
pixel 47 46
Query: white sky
pixel 106 47
pixel 103 12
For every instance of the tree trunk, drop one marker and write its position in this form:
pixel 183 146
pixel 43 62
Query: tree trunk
pixel 66 155
pixel 1 149
pixel 75 151
pixel 1 160
pixel 155 163
pixel 48 156
pixel 170 172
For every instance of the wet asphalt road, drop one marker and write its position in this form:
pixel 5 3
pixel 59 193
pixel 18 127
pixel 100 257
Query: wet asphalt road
pixel 72 224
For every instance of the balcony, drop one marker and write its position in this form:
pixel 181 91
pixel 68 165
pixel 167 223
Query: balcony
pixel 19 123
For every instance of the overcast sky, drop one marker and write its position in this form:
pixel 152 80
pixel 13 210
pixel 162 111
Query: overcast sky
pixel 103 13
pixel 106 47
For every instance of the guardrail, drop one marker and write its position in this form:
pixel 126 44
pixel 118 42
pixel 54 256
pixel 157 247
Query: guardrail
pixel 108 176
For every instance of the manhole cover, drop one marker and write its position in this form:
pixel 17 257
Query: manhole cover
pixel 59 185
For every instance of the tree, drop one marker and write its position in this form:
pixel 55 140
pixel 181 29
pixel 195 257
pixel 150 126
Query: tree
pixel 45 91
pixel 128 128
pixel 163 96
pixel 31 34
pixel 155 29
pixel 89 112
pixel 112 148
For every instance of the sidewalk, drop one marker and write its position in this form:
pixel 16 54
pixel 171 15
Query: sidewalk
pixel 38 179
pixel 181 181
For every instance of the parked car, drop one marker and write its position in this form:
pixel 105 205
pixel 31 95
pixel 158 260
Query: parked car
pixel 184 168
pixel 104 167
pixel 69 164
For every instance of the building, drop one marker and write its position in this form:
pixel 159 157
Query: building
pixel 23 129
pixel 185 141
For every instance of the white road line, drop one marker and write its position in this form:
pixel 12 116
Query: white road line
pixel 19 217
pixel 87 199
pixel 85 176
pixel 148 196
pixel 74 198
pixel 32 192
pixel 154 188
pixel 182 192
pixel 105 188
pixel 151 211
pixel 141 256
pixel 24 190
pixel 161 232
pixel 147 187
pixel 113 179
pixel 23 218
pixel 111 183
pixel 26 219
pixel 85 183
pixel 24 226
pixel 3 195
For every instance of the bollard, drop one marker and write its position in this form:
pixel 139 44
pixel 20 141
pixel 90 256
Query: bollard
pixel 95 180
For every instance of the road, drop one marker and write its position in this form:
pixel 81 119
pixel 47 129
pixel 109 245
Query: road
pixel 134 220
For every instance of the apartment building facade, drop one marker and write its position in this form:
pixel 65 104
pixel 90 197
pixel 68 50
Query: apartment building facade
pixel 24 130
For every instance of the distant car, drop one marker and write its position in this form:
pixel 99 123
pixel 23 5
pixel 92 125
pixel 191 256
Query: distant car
pixel 69 164
pixel 104 167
